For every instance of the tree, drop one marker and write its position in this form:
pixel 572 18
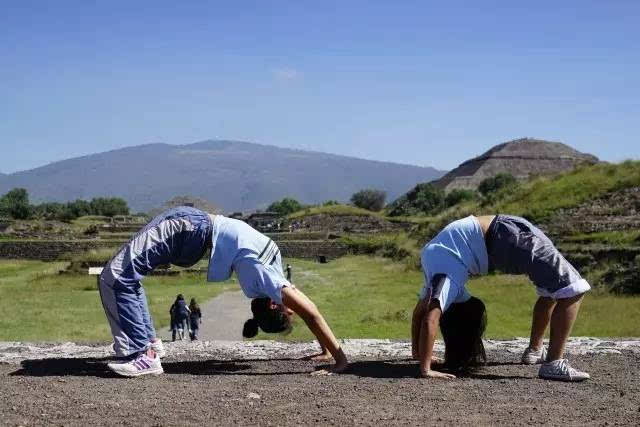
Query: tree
pixel 457 196
pixel 424 198
pixel 285 206
pixel 369 199
pixel 331 203
pixel 491 185
pixel 16 204
pixel 108 206
pixel 79 208
pixel 48 210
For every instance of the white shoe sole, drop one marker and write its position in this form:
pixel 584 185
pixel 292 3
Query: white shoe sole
pixel 563 378
pixel 156 371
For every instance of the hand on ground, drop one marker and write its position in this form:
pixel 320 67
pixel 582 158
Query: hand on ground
pixel 318 357
pixel 435 374
pixel 335 369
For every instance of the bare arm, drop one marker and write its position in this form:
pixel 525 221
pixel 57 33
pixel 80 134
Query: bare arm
pixel 428 332
pixel 416 325
pixel 307 310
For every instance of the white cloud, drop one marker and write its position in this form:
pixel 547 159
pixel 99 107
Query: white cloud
pixel 286 74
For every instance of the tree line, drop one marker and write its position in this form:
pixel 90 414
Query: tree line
pixel 15 204
pixel 423 199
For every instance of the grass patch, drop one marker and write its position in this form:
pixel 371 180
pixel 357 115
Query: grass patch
pixel 613 238
pixel 360 296
pixel 339 210
pixel 37 304
pixel 539 198
pixel 397 246
pixel 366 297
pixel 101 255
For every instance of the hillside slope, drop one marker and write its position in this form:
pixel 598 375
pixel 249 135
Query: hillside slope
pixel 230 174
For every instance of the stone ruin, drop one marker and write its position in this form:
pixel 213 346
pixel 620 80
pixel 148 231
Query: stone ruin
pixel 523 158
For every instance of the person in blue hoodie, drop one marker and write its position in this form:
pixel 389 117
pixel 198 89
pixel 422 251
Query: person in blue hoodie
pixel 181 236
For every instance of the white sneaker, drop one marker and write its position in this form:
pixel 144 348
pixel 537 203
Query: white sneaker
pixel 560 370
pixel 141 365
pixel 534 357
pixel 158 347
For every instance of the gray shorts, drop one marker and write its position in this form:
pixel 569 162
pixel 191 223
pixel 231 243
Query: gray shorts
pixel 515 246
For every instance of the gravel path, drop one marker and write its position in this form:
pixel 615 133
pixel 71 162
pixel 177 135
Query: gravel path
pixel 264 383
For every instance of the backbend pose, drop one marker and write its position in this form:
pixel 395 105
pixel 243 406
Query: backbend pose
pixel 181 236
pixel 475 245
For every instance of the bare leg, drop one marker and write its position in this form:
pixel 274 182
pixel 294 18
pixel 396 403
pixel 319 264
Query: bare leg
pixel 542 311
pixel 562 320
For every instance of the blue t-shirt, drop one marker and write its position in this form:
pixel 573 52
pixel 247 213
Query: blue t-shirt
pixel 456 252
pixel 231 239
pixel 254 257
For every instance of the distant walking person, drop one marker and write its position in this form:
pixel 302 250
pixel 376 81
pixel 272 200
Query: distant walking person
pixel 476 245
pixel 179 317
pixel 182 236
pixel 195 319
pixel 288 269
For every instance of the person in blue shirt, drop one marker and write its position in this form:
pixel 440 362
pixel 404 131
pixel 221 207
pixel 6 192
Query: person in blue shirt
pixel 476 245
pixel 182 236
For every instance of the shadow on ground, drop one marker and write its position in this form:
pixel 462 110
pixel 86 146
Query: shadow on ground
pixel 97 367
pixel 89 367
pixel 409 369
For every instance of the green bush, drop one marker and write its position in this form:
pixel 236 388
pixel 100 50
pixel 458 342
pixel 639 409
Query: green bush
pixel 458 196
pixel 15 204
pixel 285 206
pixel 491 185
pixel 422 199
pixel 369 199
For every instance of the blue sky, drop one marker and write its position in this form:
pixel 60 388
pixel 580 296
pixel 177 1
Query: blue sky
pixel 418 82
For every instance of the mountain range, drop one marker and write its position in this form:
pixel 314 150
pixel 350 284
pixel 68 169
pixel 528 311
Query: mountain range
pixel 232 175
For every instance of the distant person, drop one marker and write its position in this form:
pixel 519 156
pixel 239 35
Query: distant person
pixel 195 319
pixel 288 272
pixel 475 245
pixel 181 236
pixel 179 317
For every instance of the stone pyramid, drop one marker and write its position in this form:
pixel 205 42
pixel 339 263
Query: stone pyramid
pixel 522 158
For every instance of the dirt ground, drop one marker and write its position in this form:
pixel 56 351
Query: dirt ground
pixel 207 388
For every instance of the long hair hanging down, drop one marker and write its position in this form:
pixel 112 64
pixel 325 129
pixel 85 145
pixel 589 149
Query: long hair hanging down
pixel 270 320
pixel 462 327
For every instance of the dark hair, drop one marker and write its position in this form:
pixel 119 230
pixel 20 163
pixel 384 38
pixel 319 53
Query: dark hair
pixel 179 297
pixel 462 327
pixel 270 320
pixel 193 305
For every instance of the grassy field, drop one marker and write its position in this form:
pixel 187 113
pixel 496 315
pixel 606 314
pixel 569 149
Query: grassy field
pixel 360 296
pixel 38 304
pixel 365 297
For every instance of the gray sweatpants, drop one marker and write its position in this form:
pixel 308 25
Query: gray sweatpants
pixel 515 246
